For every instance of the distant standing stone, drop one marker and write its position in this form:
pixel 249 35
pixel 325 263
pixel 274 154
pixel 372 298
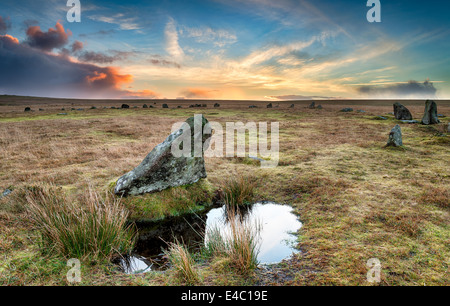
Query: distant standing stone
pixel 292 106
pixel 125 106
pixel 165 106
pixel 252 106
pixel 395 137
pixel 145 106
pixel 269 105
pixel 27 109
pixel 401 112
pixel 430 114
pixel 216 105
pixel 312 105
pixel 319 106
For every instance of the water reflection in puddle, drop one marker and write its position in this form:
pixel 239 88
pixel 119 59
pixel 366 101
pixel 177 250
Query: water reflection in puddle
pixel 276 222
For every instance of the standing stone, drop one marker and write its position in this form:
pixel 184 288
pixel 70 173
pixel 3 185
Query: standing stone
pixel 430 114
pixel 292 106
pixel 319 106
pixel 125 106
pixel 216 105
pixel 27 109
pixel 145 106
pixel 401 112
pixel 395 137
pixel 165 106
pixel 312 105
pixel 269 105
pixel 165 167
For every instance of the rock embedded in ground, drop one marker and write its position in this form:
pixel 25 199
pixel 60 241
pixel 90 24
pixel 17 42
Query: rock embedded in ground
pixel 401 112
pixel 125 106
pixel 409 121
pixel 430 113
pixel 346 110
pixel 162 168
pixel 27 109
pixel 5 193
pixel 319 106
pixel 395 137
pixel 165 106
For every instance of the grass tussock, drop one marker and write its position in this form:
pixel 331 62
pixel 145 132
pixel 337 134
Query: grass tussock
pixel 238 190
pixel 183 263
pixel 239 243
pixel 93 227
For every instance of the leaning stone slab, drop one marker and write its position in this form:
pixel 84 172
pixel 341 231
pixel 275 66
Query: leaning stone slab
pixel 395 137
pixel 430 113
pixel 164 167
pixel 401 112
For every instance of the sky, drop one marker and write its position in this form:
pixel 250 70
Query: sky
pixel 226 49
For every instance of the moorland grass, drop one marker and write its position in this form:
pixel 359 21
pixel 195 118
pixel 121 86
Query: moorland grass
pixel 94 229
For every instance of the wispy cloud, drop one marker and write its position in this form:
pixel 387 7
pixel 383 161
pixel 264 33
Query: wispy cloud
pixel 125 23
pixel 172 45
pixel 218 37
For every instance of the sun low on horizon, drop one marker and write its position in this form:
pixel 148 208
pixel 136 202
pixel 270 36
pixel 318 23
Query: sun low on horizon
pixel 225 49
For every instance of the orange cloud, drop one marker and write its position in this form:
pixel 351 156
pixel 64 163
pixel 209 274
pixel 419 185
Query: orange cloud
pixel 193 93
pixel 108 77
pixel 10 38
pixel 143 94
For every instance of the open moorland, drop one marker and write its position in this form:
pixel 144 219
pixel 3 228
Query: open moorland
pixel 356 198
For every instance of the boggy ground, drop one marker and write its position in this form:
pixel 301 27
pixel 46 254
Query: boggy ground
pixel 357 200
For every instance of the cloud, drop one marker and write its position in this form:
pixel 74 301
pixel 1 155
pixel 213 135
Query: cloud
pixel 299 97
pixel 123 22
pixel 5 25
pixel 76 46
pixel 172 46
pixel 103 58
pixel 157 60
pixel 218 37
pixel 142 94
pixel 31 71
pixel 47 41
pixel 410 89
pixel 196 93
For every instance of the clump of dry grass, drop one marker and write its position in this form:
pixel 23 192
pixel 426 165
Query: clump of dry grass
pixel 238 190
pixel 436 195
pixel 239 243
pixel 94 228
pixel 182 262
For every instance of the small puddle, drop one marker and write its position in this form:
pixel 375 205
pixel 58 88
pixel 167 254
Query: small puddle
pixel 276 222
